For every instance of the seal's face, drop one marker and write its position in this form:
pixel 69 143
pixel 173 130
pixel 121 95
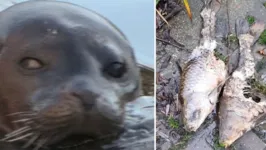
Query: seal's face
pixel 63 70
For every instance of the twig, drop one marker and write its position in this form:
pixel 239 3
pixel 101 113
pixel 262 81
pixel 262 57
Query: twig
pixel 164 41
pixel 172 14
pixel 162 17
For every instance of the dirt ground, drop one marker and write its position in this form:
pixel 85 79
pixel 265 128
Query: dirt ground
pixel 181 37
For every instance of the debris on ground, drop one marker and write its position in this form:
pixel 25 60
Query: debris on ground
pixel 182 37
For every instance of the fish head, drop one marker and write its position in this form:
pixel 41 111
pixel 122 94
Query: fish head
pixel 196 108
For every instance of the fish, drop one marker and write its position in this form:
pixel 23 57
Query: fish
pixel 239 113
pixel 202 78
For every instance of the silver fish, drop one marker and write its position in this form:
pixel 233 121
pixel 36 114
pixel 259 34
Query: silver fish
pixel 202 77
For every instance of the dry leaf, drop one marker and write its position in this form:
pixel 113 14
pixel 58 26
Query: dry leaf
pixel 188 9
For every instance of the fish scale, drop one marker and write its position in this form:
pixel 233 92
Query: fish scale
pixel 201 78
pixel 196 73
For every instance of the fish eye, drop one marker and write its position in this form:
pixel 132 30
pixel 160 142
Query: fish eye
pixel 31 63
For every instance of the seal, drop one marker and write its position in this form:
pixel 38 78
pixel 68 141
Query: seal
pixel 64 71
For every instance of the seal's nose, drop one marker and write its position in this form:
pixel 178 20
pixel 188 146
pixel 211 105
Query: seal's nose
pixel 84 92
pixel 87 98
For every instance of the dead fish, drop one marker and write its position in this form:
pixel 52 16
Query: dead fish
pixel 201 83
pixel 202 78
pixel 238 113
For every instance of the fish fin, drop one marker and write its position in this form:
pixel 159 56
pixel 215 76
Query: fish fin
pixel 216 90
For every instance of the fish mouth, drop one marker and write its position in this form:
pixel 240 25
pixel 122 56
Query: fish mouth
pixel 196 110
pixel 192 121
pixel 193 126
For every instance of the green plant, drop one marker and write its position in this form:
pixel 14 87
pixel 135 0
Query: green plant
pixel 218 146
pixel 261 88
pixel 157 1
pixel 264 4
pixel 233 38
pixel 173 123
pixel 181 145
pixel 220 56
pixel 250 19
pixel 262 38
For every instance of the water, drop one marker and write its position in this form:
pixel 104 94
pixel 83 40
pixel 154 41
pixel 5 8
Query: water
pixel 134 17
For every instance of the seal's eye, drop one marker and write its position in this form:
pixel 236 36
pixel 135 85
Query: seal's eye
pixel 31 63
pixel 116 69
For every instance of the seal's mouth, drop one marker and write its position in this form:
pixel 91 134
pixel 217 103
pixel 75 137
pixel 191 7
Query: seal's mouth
pixel 61 135
pixel 65 124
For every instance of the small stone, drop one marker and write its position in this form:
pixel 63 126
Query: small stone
pixel 242 26
pixel 166 146
pixel 249 141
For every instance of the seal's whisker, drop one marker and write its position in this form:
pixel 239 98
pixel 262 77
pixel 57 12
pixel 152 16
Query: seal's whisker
pixel 40 143
pixel 23 120
pixel 28 122
pixel 18 130
pixel 32 140
pixel 20 113
pixel 23 129
pixel 20 138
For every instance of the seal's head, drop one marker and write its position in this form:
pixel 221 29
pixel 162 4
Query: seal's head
pixel 64 70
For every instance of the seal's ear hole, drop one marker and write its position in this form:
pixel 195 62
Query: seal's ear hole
pixel 116 69
pixel 31 63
